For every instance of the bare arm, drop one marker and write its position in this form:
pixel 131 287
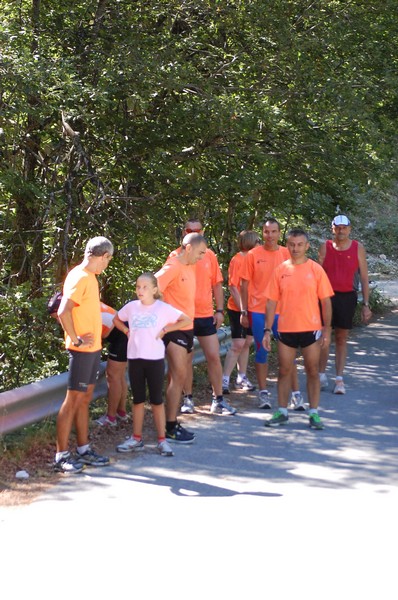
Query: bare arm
pixel 182 322
pixel 321 254
pixel 66 319
pixel 244 295
pixel 218 294
pixel 366 313
pixel 326 305
pixel 120 325
pixel 270 316
pixel 235 295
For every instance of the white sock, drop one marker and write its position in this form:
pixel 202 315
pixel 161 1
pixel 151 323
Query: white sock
pixel 60 455
pixel 83 449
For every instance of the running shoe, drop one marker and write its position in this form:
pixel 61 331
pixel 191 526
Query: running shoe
pixel 264 397
pixel 278 418
pixel 68 464
pixel 323 381
pixel 244 384
pixel 164 449
pixel 130 445
pixel 225 385
pixel 92 459
pixel 339 388
pixel 315 421
pixel 105 421
pixel 221 407
pixel 188 406
pixel 297 401
pixel 180 435
pixel 122 418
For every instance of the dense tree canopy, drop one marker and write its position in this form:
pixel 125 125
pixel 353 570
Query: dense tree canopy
pixel 122 117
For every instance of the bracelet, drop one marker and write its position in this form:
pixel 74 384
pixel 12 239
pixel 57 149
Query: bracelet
pixel 79 342
pixel 267 330
pixel 365 304
pixel 220 310
pixel 243 313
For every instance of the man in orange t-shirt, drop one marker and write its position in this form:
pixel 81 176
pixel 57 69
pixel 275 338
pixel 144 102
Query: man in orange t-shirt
pixel 80 316
pixel 259 265
pixel 298 286
pixel 177 283
pixel 207 321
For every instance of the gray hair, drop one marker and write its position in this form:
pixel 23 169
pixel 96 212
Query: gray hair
pixel 98 246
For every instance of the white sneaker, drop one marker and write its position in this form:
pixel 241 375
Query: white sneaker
pixel 244 384
pixel 323 381
pixel 188 406
pixel 165 449
pixel 264 397
pixel 339 388
pixel 105 421
pixel 130 445
pixel 221 407
pixel 297 401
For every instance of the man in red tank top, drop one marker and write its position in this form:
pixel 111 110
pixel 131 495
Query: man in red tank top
pixel 343 260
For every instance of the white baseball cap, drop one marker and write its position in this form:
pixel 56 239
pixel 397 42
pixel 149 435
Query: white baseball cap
pixel 341 220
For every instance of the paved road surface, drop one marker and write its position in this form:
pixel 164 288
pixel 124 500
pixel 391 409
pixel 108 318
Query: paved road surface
pixel 245 512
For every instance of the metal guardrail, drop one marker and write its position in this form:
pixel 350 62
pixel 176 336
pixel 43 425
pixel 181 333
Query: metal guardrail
pixel 36 401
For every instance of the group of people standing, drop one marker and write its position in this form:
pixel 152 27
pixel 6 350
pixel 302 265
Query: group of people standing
pixel 273 289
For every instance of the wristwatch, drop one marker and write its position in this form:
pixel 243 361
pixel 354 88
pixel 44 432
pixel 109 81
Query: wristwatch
pixel 79 342
pixel 243 313
pixel 267 329
pixel 365 304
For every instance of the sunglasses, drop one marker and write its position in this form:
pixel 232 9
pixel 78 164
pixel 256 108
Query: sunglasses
pixel 193 230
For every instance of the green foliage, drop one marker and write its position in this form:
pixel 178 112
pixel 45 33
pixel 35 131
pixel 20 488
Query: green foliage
pixel 123 118
pixel 31 341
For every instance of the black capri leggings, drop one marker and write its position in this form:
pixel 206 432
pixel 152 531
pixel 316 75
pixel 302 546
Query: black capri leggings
pixel 143 371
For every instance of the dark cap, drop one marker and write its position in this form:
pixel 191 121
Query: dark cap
pixel 54 302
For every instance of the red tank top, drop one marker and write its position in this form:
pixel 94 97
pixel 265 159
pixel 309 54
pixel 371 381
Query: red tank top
pixel 341 266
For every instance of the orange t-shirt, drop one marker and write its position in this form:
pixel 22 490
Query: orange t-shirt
pixel 81 286
pixel 177 283
pixel 298 289
pixel 208 273
pixel 234 276
pixel 107 314
pixel 258 268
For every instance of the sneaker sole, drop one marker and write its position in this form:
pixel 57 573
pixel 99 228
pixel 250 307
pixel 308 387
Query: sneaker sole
pixel 317 427
pixel 265 406
pixel 299 408
pixel 268 424
pixel 174 441
pixel 96 464
pixel 129 450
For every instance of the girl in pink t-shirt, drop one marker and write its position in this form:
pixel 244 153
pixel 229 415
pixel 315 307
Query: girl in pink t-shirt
pixel 149 319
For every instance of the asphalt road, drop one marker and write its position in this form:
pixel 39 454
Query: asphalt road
pixel 246 511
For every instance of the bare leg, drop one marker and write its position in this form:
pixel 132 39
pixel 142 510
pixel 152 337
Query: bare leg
pixel 74 410
pixel 311 363
pixel 341 337
pixel 138 418
pixel 234 353
pixel 211 349
pixel 159 417
pixel 262 374
pixel 286 356
pixel 117 386
pixel 177 359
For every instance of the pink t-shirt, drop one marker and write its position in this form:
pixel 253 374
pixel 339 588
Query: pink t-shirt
pixel 145 322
